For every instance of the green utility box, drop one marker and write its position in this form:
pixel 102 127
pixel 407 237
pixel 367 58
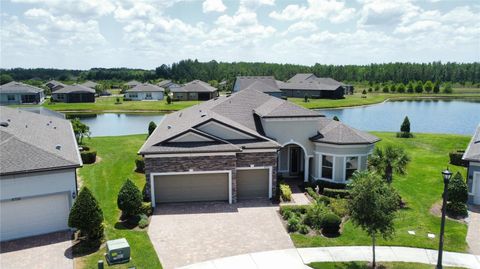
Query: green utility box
pixel 118 251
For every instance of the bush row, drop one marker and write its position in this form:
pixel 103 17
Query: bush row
pixel 316 216
pixel 456 158
pixel 335 193
pixel 88 157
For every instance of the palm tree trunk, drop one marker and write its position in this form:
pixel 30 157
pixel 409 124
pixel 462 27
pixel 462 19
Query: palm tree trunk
pixel 373 251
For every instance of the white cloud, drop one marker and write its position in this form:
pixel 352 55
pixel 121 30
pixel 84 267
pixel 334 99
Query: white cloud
pixel 332 10
pixel 81 7
pixel 387 13
pixel 213 6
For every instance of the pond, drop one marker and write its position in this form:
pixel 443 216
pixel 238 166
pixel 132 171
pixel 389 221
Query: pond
pixel 456 116
pixel 114 124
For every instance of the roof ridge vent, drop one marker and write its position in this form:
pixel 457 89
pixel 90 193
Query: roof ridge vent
pixel 169 127
pixel 58 147
pixel 4 124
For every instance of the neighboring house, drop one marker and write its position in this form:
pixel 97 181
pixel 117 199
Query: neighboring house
pixel 39 157
pixel 472 155
pixel 194 90
pixel 265 84
pixel 54 85
pixel 302 85
pixel 15 93
pixel 145 91
pixel 74 94
pixel 132 83
pixel 234 147
pixel 167 84
pixel 90 84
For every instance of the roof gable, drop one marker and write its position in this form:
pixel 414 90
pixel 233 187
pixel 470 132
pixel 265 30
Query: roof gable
pixel 224 131
pixel 473 150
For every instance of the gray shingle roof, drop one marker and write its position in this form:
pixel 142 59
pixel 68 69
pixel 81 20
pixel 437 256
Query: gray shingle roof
pixel 194 86
pixel 75 88
pixel 33 142
pixel 53 83
pixel 301 77
pixel 18 87
pixel 89 84
pixel 265 84
pixel 133 83
pixel 473 150
pixel 310 82
pixel 335 132
pixel 146 87
pixel 240 111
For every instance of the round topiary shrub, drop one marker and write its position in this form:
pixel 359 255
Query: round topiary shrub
pixel 129 200
pixel 303 229
pixel 293 224
pixel 331 224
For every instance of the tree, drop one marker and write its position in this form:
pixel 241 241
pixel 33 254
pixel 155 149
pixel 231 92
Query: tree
pixel 151 127
pixel 419 87
pixel 457 196
pixel 305 98
pixel 428 86
pixel 169 99
pixel 370 89
pixel 80 130
pixel 335 118
pixel 410 87
pixel 364 92
pixel 447 88
pixel 86 215
pixel 388 160
pixel 5 78
pixel 436 87
pixel 377 87
pixel 385 88
pixel 401 88
pixel 129 199
pixel 372 206
pixel 393 87
pixel 405 127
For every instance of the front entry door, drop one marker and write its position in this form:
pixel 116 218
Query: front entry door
pixel 294 161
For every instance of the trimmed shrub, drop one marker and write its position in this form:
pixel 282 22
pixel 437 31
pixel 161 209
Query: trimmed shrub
pixel 314 215
pixel 339 207
pixel 293 224
pixel 151 127
pixel 457 209
pixel 457 189
pixel 303 229
pixel 456 158
pixel 129 200
pixel 285 192
pixel 88 157
pixel 86 215
pixel 143 223
pixel 323 199
pixel 147 208
pixel 335 193
pixel 331 185
pixel 140 164
pixel 301 209
pixel 287 215
pixel 331 224
pixel 318 198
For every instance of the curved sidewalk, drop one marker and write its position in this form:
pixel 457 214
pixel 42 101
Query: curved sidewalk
pixel 297 258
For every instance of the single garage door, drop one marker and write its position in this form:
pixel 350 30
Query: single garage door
pixel 33 216
pixel 252 183
pixel 191 188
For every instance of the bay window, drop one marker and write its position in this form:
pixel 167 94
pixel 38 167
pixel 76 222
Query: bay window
pixel 351 165
pixel 327 166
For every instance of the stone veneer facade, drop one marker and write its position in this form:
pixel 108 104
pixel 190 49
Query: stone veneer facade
pixel 211 163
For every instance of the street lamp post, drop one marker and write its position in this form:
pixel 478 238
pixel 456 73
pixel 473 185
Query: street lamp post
pixel 446 178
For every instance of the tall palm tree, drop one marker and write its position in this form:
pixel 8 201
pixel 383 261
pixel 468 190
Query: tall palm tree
pixel 388 160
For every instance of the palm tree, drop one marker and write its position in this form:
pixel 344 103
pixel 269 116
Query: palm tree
pixel 388 160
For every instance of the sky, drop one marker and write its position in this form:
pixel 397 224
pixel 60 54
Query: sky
pixel 81 34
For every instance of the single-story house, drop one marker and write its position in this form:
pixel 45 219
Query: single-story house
pixel 302 85
pixel 38 173
pixel 132 83
pixel 194 90
pixel 16 93
pixel 145 91
pixel 234 147
pixel 472 156
pixel 90 84
pixel 54 85
pixel 74 94
pixel 167 84
pixel 265 84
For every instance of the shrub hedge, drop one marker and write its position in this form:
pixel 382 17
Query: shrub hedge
pixel 293 224
pixel 335 193
pixel 285 192
pixel 301 209
pixel 140 165
pixel 88 157
pixel 456 158
pixel 318 198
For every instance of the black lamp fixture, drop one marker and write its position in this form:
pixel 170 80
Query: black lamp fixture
pixel 446 179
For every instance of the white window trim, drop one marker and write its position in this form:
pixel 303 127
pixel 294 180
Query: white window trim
pixel 345 164
pixel 270 169
pixel 319 170
pixel 476 175
pixel 152 181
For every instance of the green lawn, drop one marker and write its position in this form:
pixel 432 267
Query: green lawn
pixel 420 188
pixel 105 179
pixel 103 104
pixel 363 265
pixel 374 98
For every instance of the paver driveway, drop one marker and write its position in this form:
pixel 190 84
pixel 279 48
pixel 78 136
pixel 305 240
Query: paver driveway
pixel 45 251
pixel 188 233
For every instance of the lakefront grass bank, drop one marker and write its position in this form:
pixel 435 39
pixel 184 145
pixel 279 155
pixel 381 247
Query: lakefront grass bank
pixel 420 188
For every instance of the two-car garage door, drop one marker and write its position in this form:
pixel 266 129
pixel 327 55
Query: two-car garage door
pixel 211 186
pixel 33 216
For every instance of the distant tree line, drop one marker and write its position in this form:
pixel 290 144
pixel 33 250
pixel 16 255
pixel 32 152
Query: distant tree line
pixel 187 70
